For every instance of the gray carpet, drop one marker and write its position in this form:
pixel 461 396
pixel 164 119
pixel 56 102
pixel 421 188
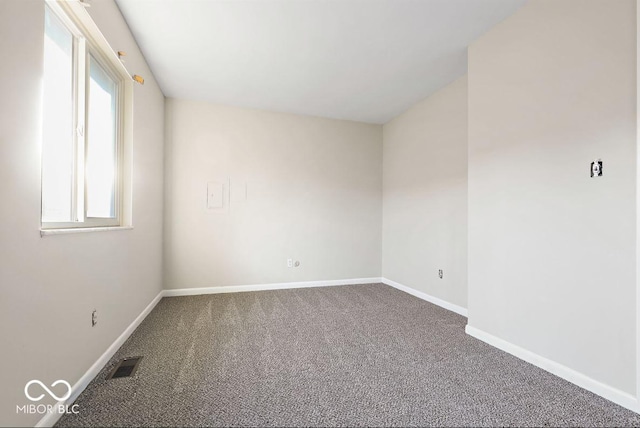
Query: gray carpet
pixel 364 355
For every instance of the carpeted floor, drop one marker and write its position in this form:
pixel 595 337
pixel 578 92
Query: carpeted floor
pixel 363 355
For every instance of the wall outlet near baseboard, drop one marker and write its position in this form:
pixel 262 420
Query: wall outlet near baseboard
pixel 289 263
pixel 440 273
pixel 94 318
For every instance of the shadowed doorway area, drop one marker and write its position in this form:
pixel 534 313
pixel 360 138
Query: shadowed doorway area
pixel 360 355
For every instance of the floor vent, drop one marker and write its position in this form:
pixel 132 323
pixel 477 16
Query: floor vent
pixel 125 368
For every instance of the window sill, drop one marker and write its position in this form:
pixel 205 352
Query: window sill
pixel 48 232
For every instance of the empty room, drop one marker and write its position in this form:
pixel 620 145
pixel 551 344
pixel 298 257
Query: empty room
pixel 319 213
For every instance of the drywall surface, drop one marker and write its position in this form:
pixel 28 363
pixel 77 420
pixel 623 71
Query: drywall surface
pixel 425 195
pixel 552 250
pixel 49 286
pixel 294 187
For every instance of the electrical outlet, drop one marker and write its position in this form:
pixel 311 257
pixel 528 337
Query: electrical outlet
pixel 94 318
pixel 596 168
pixel 440 273
pixel 289 262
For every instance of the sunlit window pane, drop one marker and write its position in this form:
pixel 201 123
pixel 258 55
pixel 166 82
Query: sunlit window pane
pixel 57 147
pixel 101 143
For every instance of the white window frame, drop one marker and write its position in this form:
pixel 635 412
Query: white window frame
pixel 89 42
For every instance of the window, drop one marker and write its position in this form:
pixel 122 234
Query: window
pixel 86 110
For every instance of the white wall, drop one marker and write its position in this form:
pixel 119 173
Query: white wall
pixel 50 285
pixel 314 194
pixel 551 250
pixel 425 195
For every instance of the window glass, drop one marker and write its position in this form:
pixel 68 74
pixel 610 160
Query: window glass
pixel 86 100
pixel 101 143
pixel 58 138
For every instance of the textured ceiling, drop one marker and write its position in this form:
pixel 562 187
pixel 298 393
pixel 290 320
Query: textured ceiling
pixel 363 60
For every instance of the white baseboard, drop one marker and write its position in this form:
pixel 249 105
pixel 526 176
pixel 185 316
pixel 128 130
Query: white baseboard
pixel 429 298
pixel 261 287
pixel 50 419
pixel 612 394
